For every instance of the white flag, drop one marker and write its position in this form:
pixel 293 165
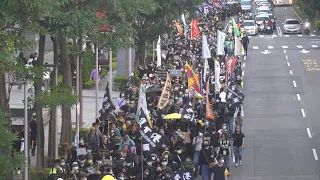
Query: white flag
pixel 221 36
pixel 205 70
pixel 158 52
pixel 237 46
pixel 184 25
pixel 206 54
pixel 217 75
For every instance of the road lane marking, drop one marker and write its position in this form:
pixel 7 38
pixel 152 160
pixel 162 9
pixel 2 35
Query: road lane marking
pixel 315 154
pixel 298 96
pixel 274 35
pixel 309 133
pixel 288 63
pixel 314 46
pixel 291 72
pixel 270 47
pixel 245 57
pixel 255 47
pixel 285 47
pixel 286 35
pixel 294 83
pixel 286 57
pixel 299 34
pixel 244 65
pixel 261 36
pixel 233 158
pixel 242 73
pixel 312 35
pixel 303 113
pixel 300 47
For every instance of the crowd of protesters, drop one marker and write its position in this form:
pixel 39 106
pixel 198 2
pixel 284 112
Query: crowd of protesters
pixel 185 142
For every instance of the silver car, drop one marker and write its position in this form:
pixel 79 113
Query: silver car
pixel 250 27
pixel 291 26
pixel 246 5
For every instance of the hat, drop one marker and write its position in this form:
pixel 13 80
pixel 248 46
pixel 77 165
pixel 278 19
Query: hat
pixel 75 163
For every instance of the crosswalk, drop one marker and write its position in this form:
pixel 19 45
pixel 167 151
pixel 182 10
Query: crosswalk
pixel 314 46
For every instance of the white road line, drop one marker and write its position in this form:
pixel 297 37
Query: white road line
pixel 298 96
pixel 314 46
pixel 299 34
pixel 302 112
pixel 315 154
pixel 270 47
pixel 312 35
pixel 294 83
pixel 291 72
pixel 285 47
pixel 309 133
pixel 274 35
pixel 286 57
pixel 300 47
pixel 245 57
pixel 288 63
pixel 286 35
pixel 261 36
pixel 233 158
pixel 244 65
pixel 242 73
pixel 255 47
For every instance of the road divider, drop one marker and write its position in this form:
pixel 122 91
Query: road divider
pixel 315 155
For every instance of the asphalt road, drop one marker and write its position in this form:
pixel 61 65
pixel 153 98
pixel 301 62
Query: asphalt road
pixel 281 107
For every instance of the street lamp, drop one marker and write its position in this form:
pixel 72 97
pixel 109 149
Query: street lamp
pixel 26 128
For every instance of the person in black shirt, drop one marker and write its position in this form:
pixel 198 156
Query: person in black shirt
pixel 220 171
pixel 214 140
pixel 245 43
pixel 238 142
pixel 225 149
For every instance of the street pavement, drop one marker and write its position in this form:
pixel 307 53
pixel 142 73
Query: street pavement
pixel 281 107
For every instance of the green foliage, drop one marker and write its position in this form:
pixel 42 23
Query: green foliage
pixel 57 96
pixel 87 66
pixel 310 7
pixel 82 133
pixel 317 24
pixel 121 82
pixel 7 164
pixel 37 174
pixel 87 85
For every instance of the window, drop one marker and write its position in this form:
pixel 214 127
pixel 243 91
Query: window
pixel 248 23
pixel 292 22
pixel 246 3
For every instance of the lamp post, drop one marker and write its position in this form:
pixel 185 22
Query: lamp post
pixel 110 71
pixel 97 79
pixel 130 59
pixel 56 128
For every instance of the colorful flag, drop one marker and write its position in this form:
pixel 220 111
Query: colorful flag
pixel 235 28
pixel 237 46
pixel 158 52
pixel 209 113
pixel 230 63
pixel 179 28
pixel 195 32
pixel 166 93
pixel 193 79
pixel 206 54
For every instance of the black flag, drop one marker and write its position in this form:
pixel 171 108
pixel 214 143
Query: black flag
pixel 184 174
pixel 187 113
pixel 107 104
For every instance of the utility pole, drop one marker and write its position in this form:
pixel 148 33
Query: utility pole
pixel 110 72
pixel 26 133
pixel 97 79
pixel 130 59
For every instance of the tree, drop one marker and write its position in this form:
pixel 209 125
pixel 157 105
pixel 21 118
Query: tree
pixel 149 26
pixel 310 7
pixel 8 164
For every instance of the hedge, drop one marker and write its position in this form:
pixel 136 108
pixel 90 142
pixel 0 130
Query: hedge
pixel 121 82
pixel 37 174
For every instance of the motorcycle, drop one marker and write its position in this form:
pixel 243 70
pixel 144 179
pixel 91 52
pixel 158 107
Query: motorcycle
pixel 307 28
pixel 266 29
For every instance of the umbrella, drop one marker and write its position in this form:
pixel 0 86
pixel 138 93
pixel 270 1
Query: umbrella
pixel 173 116
pixel 108 177
pixel 154 91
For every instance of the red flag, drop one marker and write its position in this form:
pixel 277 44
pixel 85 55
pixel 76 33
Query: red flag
pixel 230 63
pixel 195 32
pixel 209 112
pixel 193 79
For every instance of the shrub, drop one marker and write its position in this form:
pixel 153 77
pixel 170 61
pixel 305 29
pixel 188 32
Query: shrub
pixel 317 24
pixel 88 84
pixel 87 67
pixel 121 82
pixel 82 133
pixel 37 174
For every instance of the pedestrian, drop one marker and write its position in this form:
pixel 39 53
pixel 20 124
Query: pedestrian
pixel 245 43
pixel 220 171
pixel 225 149
pixel 238 144
pixel 197 145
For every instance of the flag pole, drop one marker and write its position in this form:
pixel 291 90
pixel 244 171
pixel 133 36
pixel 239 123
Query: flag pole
pixel 142 159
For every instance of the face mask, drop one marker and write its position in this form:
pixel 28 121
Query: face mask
pixel 222 161
pixel 179 151
pixel 99 162
pixel 224 127
pixel 75 168
pixel 122 95
pixel 128 164
pixel 63 163
pixel 200 134
pixel 164 163
pixel 153 158
pixel 149 163
pixel 89 150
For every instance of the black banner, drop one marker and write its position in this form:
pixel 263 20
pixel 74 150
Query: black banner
pixel 151 140
pixel 187 113
pixel 186 174
pixel 107 104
